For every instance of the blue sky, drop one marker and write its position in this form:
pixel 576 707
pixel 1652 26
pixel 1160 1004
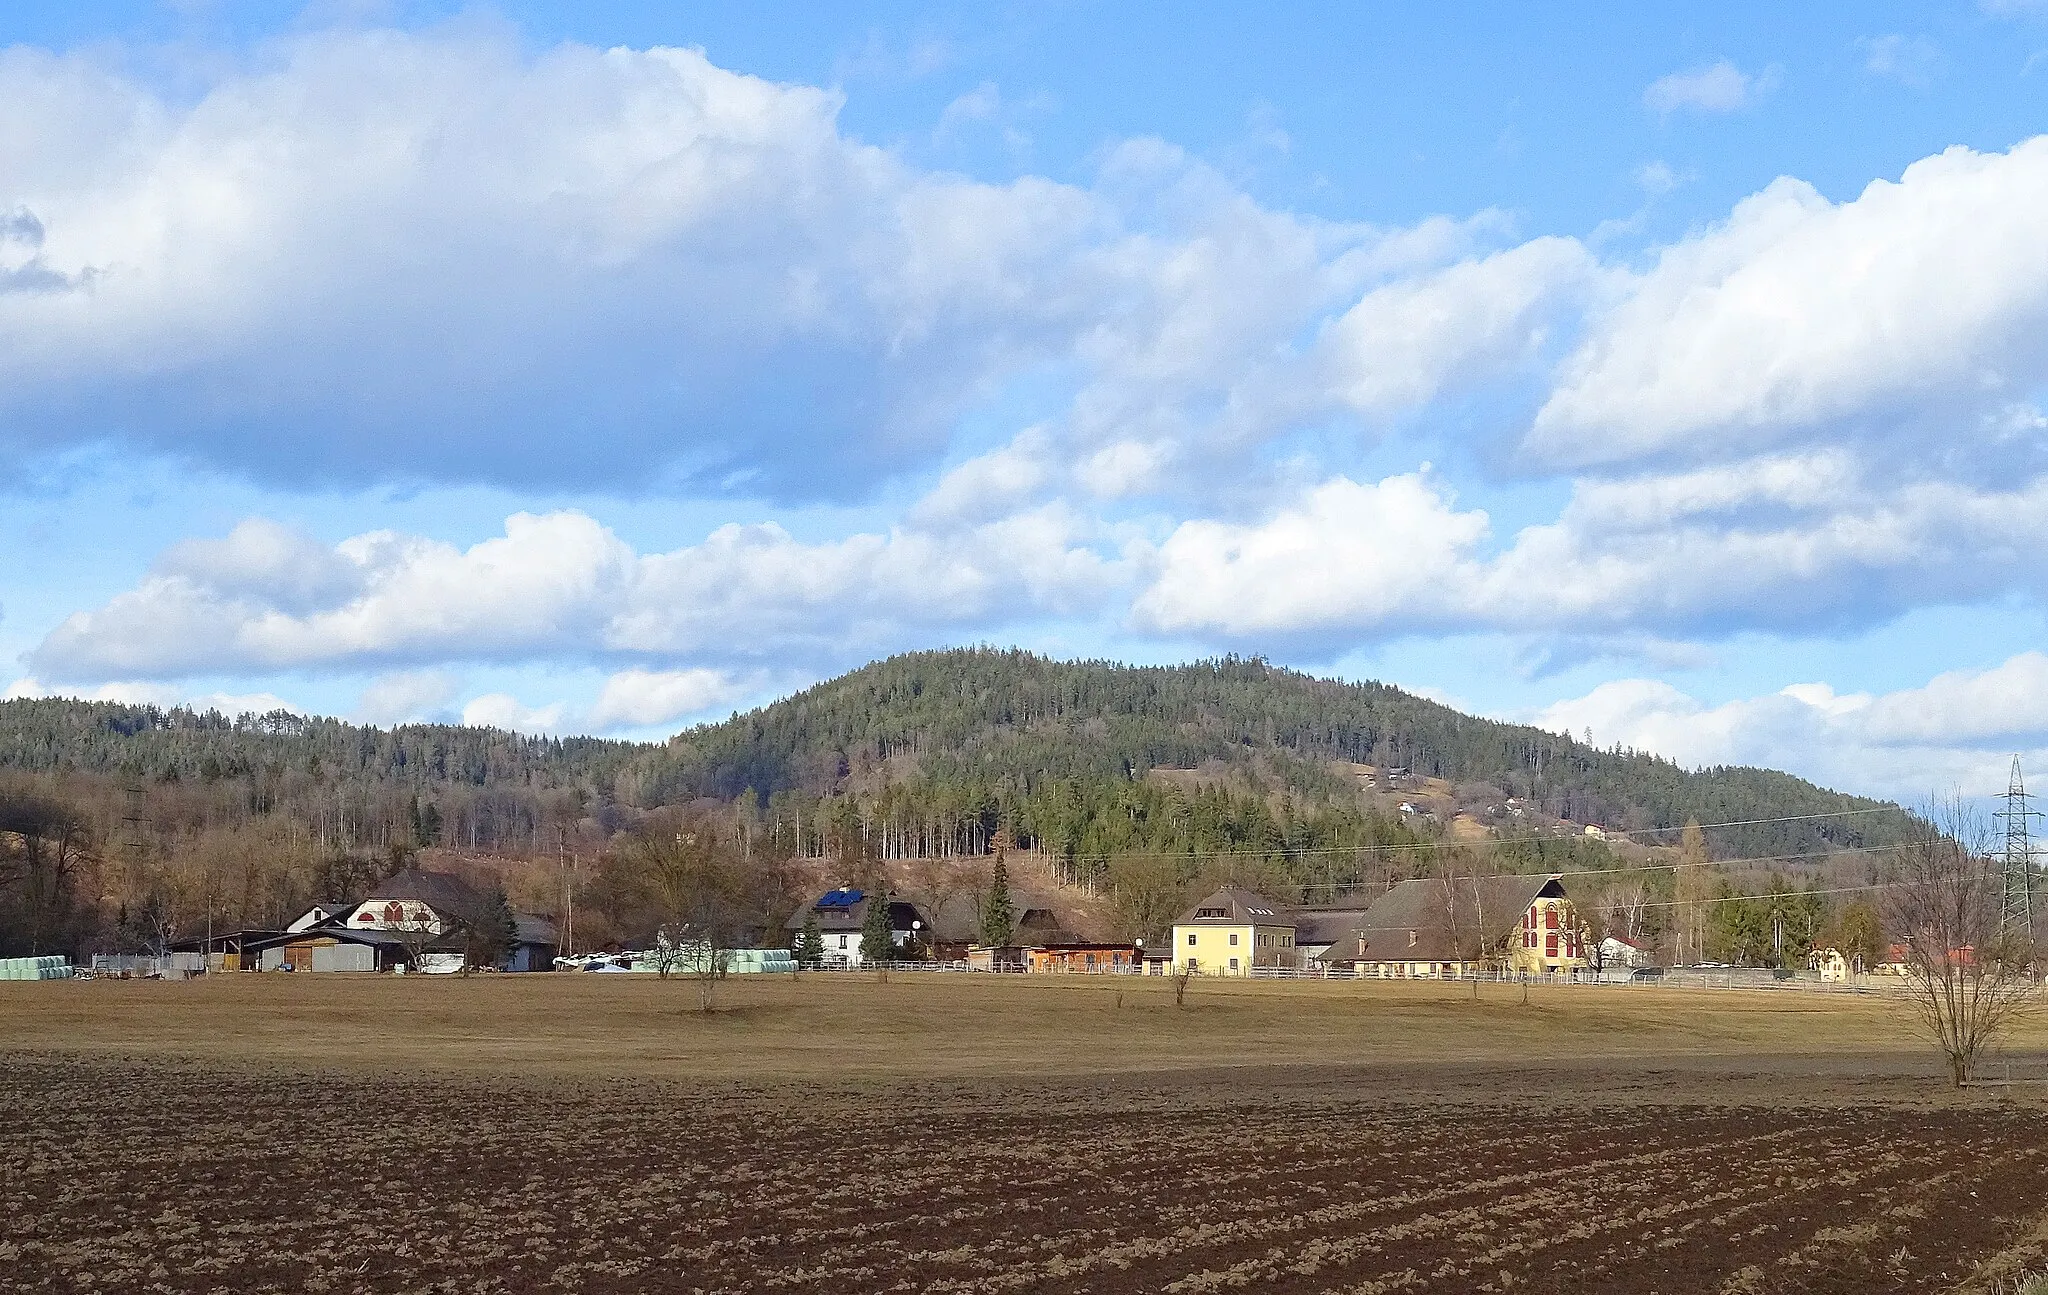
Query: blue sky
pixel 1676 377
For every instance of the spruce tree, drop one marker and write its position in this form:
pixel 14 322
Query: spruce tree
pixel 875 942
pixel 492 932
pixel 998 919
pixel 810 945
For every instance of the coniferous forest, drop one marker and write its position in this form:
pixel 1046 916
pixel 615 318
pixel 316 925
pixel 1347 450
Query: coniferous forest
pixel 925 756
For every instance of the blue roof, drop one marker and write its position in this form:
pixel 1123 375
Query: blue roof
pixel 842 898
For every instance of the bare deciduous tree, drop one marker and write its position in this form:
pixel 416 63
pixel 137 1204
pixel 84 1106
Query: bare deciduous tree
pixel 1968 980
pixel 704 894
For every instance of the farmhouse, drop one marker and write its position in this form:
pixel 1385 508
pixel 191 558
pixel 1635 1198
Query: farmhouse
pixel 841 915
pixel 1830 962
pixel 413 912
pixel 1621 951
pixel 1233 931
pixel 1440 928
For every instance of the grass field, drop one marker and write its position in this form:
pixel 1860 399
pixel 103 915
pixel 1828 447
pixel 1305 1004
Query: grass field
pixel 973 1133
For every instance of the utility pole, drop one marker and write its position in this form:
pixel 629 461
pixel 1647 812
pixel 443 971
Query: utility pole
pixel 2016 907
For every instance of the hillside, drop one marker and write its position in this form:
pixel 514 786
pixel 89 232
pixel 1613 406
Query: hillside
pixel 1140 784
pixel 1013 725
pixel 929 752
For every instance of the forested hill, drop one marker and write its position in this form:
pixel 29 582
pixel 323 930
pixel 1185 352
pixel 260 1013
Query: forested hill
pixel 1012 720
pixel 957 742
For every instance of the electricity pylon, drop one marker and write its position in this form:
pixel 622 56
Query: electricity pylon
pixel 2016 906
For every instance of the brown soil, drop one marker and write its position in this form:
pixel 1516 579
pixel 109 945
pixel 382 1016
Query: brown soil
pixel 581 1134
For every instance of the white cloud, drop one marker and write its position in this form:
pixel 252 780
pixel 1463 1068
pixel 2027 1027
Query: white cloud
pixel 427 254
pixel 1718 87
pixel 562 584
pixel 1927 297
pixel 1405 342
pixel 148 693
pixel 407 697
pixel 1801 543
pixel 645 698
pixel 1351 556
pixel 1959 731
pixel 1909 60
pixel 502 710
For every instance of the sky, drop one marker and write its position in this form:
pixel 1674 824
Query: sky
pixel 1674 378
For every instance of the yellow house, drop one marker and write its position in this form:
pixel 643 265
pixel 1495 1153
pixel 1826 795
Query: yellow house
pixel 1831 963
pixel 1231 932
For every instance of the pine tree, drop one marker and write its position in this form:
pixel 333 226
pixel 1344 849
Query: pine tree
pixel 875 942
pixel 492 933
pixel 810 945
pixel 998 919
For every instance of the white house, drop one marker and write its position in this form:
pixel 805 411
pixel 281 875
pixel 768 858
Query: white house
pixel 842 914
pixel 1620 951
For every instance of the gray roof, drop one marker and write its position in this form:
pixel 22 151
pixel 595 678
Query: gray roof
pixel 1236 906
pixel 1314 926
pixel 441 891
pixel 1434 920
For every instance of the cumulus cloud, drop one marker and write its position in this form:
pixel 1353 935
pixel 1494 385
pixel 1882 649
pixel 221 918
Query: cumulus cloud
pixel 152 693
pixel 1794 543
pixel 503 710
pixel 1349 556
pixel 407 697
pixel 645 698
pixel 1918 301
pixel 434 257
pixel 1718 87
pixel 1405 342
pixel 562 584
pixel 1959 731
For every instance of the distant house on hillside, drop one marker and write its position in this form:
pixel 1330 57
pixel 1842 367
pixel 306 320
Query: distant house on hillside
pixel 1441 928
pixel 1233 931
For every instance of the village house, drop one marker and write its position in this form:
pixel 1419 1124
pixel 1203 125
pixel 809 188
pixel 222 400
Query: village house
pixel 1438 928
pixel 842 914
pixel 414 911
pixel 1231 932
pixel 1621 951
pixel 1831 963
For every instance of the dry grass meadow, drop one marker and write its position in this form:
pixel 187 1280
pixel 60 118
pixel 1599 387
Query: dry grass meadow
pixel 975 1133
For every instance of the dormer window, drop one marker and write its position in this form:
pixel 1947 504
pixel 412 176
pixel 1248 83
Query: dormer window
pixel 1212 912
pixel 1411 939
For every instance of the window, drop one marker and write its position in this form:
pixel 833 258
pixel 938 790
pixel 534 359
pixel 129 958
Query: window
pixel 842 941
pixel 1550 945
pixel 1233 964
pixel 1233 939
pixel 1550 918
pixel 1191 939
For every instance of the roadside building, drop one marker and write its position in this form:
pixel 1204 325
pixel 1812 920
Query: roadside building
pixel 1233 931
pixel 1452 928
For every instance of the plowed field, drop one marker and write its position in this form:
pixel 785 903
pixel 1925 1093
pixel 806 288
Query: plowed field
pixel 170 1173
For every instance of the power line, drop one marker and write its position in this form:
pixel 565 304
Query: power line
pixel 1671 867
pixel 1489 843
